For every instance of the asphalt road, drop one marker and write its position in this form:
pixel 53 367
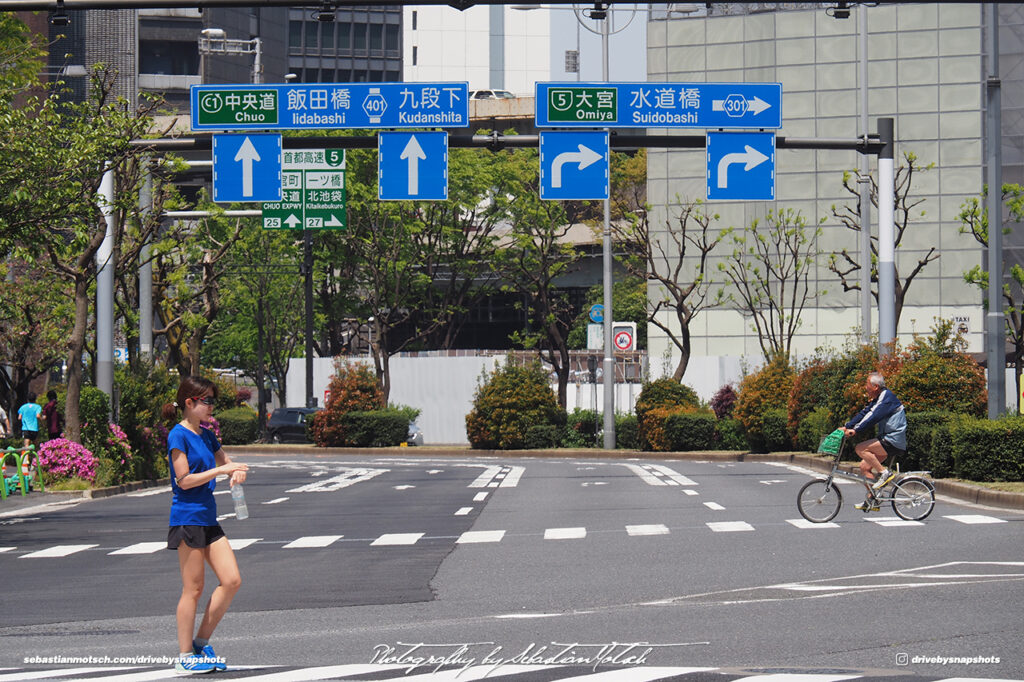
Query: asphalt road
pixel 356 561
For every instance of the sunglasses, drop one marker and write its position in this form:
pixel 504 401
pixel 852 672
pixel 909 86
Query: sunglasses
pixel 208 400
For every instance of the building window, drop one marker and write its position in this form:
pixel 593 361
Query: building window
pixel 359 37
pixel 344 36
pixel 295 34
pixel 414 51
pixel 391 42
pixel 312 35
pixel 377 37
pixel 414 13
pixel 327 35
pixel 169 58
pixel 312 76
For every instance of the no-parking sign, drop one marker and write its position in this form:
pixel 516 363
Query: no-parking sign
pixel 624 336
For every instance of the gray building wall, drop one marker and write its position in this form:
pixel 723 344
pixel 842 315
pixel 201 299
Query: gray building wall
pixel 926 70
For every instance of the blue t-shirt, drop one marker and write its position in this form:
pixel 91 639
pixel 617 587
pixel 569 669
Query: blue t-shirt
pixel 195 506
pixel 30 416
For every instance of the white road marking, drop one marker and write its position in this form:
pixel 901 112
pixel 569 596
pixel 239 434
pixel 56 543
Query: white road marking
pixel 476 536
pixel 397 539
pixel 469 674
pixel 480 497
pixel 313 541
pixel 147 493
pixel 650 529
pixel 57 551
pixel 893 521
pixel 326 672
pixel 60 672
pixel 972 519
pixel 512 479
pixel 463 511
pixel 714 506
pixel 483 479
pixel 673 475
pixel 565 533
pixel 804 523
pixel 639 674
pixel 242 543
pixel 279 500
pixel 404 487
pixel 7 549
pixel 140 548
pixel 729 526
pixel 688 491
pixel 344 480
pixel 797 677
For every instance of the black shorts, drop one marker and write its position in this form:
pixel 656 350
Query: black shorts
pixel 891 450
pixel 196 537
pixel 29 435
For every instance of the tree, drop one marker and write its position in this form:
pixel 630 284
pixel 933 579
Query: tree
pixel 629 303
pixel 770 269
pixel 974 219
pixel 54 157
pixel 677 260
pixel 846 266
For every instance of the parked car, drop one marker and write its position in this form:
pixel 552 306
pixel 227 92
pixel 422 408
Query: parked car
pixel 491 94
pixel 415 435
pixel 288 425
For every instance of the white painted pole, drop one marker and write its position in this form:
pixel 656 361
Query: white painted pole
pixel 105 291
pixel 886 237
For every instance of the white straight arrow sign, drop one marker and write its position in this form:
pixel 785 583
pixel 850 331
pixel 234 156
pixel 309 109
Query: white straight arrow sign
pixel 247 154
pixel 750 157
pixel 413 153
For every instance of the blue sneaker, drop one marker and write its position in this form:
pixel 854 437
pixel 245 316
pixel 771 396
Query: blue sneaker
pixel 206 653
pixel 187 665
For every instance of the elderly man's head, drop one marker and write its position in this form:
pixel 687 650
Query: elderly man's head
pixel 874 385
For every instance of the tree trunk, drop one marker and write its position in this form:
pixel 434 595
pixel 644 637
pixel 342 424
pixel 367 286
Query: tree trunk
pixel 684 359
pixel 73 424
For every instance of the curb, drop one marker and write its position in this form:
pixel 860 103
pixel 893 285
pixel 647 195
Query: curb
pixel 966 492
pixel 96 493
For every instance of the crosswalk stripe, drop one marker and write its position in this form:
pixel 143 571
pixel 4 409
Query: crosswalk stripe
pixel 512 479
pixel 804 523
pixel 729 526
pixel 642 674
pixel 242 543
pixel 397 539
pixel 163 674
pixel 473 672
pixel 651 529
pixel 140 548
pixel 322 673
pixel 714 506
pixel 7 549
pixel 480 497
pixel 311 541
pixel 483 479
pixel 893 521
pixel 463 511
pixel 57 551
pixel 797 677
pixel 565 533
pixel 475 536
pixel 974 518
pixel 46 674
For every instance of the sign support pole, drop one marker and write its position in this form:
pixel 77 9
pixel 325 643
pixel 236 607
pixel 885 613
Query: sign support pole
pixel 886 238
pixel 105 292
pixel 609 346
pixel 996 322
pixel 307 267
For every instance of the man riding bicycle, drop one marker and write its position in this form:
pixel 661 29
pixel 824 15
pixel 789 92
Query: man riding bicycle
pixel 885 410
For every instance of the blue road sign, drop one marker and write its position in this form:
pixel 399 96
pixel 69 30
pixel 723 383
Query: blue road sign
pixel 322 106
pixel 597 313
pixel 574 165
pixel 246 168
pixel 659 105
pixel 741 166
pixel 412 166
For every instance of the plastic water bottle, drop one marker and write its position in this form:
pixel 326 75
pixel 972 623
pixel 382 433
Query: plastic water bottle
pixel 238 495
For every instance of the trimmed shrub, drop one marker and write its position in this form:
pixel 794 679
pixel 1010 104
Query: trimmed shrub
pixel 94 413
pixel 627 432
pixel 940 455
pixel 353 388
pixel 663 396
pixel 986 450
pixel 239 426
pixel 723 402
pixel 62 459
pixel 775 427
pixel 813 427
pixel 686 432
pixel 582 429
pixel 543 437
pixel 143 392
pixel 810 391
pixel 764 390
pixel 374 429
pixel 729 434
pixel 508 403
pixel 116 459
pixel 920 431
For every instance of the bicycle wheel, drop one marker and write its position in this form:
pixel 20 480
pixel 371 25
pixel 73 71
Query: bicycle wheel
pixel 819 500
pixel 913 498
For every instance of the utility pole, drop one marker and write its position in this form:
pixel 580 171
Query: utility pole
pixel 995 319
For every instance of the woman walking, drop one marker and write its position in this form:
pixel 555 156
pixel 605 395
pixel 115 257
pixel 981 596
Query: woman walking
pixel 196 459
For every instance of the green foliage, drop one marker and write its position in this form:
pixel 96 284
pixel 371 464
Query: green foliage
pixel 510 402
pixel 730 434
pixel 810 391
pixel 143 391
pixel 629 303
pixel 656 399
pixel 375 428
pixel 815 425
pixel 353 388
pixel 543 437
pixel 94 409
pixel 687 432
pixel 988 450
pixel 776 432
pixel 764 390
pixel 921 428
pixel 238 426
pixel 627 432
pixel 582 429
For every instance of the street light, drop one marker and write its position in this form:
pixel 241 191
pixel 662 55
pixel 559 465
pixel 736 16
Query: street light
pixel 215 41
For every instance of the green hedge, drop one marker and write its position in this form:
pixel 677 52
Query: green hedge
pixel 543 437
pixel 730 435
pixel 627 432
pixel 984 450
pixel 691 431
pixel 374 429
pixel 921 428
pixel 582 429
pixel 775 430
pixel 813 428
pixel 239 426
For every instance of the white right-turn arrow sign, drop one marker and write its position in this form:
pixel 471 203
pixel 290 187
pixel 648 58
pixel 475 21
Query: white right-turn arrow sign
pixel 584 157
pixel 750 157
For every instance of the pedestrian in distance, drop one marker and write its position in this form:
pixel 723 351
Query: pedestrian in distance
pixel 885 410
pixel 5 423
pixel 52 415
pixel 196 460
pixel 28 415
